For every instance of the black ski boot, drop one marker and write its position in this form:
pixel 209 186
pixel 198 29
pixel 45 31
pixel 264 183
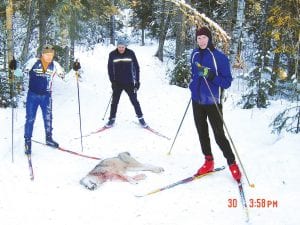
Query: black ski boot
pixel 110 123
pixel 27 146
pixel 50 142
pixel 142 122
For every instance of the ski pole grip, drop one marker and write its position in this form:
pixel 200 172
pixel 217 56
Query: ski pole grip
pixel 13 64
pixel 76 65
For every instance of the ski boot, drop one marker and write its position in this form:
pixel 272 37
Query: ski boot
pixel 50 142
pixel 142 122
pixel 208 165
pixel 110 123
pixel 235 171
pixel 27 146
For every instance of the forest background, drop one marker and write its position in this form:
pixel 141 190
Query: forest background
pixel 260 37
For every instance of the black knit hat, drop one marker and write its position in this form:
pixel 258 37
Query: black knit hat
pixel 205 31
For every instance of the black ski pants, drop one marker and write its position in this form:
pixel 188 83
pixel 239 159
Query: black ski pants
pixel 201 113
pixel 131 92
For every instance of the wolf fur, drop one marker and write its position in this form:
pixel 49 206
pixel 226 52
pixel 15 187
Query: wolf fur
pixel 115 169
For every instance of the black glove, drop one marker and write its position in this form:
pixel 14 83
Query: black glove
pixel 114 84
pixel 137 85
pixel 13 64
pixel 210 76
pixel 76 66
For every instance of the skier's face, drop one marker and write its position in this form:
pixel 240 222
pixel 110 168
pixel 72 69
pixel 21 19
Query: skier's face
pixel 202 41
pixel 121 49
pixel 48 57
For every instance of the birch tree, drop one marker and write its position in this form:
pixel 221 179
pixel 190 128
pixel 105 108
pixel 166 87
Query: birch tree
pixel 238 29
pixel 9 30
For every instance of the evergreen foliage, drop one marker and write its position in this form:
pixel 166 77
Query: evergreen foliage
pixel 181 74
pixel 4 91
pixel 288 120
pixel 258 85
pixel 9 92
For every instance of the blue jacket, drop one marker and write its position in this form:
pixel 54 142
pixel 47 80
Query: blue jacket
pixel 40 82
pixel 219 65
pixel 123 68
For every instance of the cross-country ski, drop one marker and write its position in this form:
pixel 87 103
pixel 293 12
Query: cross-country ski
pixel 183 181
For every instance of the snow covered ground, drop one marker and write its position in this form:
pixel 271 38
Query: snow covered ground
pixel 55 196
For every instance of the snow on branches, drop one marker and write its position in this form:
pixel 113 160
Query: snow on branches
pixel 199 19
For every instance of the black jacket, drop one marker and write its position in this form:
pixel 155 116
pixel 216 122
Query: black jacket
pixel 123 68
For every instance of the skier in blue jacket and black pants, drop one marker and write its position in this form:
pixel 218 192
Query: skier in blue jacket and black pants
pixel 210 75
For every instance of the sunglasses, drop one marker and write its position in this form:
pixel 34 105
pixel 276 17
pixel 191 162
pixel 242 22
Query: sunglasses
pixel 48 47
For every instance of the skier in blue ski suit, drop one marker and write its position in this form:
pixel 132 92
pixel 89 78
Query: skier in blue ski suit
pixel 41 73
pixel 210 76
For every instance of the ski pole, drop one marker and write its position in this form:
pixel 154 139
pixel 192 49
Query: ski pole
pixel 76 67
pixel 187 107
pixel 227 131
pixel 12 67
pixel 12 118
pixel 107 107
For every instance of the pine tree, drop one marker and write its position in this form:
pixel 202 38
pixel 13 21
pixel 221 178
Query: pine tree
pixel 258 84
pixel 143 16
pixel 181 74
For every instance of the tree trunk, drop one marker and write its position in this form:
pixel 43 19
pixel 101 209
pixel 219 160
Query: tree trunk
pixel 180 35
pixel 164 26
pixel 29 31
pixel 266 43
pixel 9 30
pixel 112 27
pixel 143 37
pixel 112 30
pixel 43 17
pixel 237 30
pixel 274 75
pixel 73 37
pixel 72 52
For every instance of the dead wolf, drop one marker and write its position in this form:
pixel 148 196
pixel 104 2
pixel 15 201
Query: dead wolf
pixel 115 169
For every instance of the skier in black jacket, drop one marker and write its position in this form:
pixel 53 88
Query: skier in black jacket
pixel 124 74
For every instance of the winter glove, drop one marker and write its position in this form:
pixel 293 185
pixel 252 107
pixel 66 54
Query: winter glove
pixel 76 65
pixel 137 85
pixel 205 72
pixel 13 64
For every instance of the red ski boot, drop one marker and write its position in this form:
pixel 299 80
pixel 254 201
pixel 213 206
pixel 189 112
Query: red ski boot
pixel 235 171
pixel 208 166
